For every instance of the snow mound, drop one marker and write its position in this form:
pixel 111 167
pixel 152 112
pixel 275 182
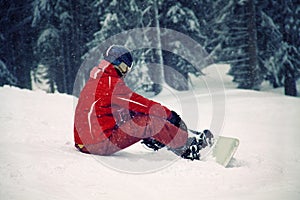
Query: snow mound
pixel 38 160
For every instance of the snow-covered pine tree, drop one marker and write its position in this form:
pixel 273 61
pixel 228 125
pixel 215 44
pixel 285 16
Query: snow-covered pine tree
pixel 177 16
pixel 16 40
pixel 213 19
pixel 270 47
pixel 291 35
pixel 47 50
pixel 130 14
pixel 77 23
pixel 73 29
pixel 241 46
pixel 279 43
pixel 159 14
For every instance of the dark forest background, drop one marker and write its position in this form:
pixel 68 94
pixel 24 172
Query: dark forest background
pixel 44 42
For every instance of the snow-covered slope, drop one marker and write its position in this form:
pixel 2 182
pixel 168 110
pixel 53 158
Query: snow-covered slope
pixel 38 161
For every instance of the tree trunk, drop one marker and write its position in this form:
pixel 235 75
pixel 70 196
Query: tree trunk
pixel 158 77
pixel 290 87
pixel 252 45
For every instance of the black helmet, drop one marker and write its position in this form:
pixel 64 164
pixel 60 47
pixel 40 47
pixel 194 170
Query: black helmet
pixel 120 57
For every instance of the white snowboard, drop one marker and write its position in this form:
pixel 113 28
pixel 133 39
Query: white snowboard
pixel 224 149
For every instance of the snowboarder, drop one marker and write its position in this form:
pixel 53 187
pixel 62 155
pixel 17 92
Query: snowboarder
pixel 110 117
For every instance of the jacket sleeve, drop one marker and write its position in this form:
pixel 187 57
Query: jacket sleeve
pixel 126 98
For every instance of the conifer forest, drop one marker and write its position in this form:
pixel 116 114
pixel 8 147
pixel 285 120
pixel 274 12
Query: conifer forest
pixel 44 42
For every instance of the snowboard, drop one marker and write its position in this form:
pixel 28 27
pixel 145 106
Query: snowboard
pixel 224 149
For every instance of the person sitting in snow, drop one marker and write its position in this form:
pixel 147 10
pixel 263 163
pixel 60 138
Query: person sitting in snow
pixel 109 116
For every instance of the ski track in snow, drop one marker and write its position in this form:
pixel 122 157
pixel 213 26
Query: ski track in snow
pixel 38 160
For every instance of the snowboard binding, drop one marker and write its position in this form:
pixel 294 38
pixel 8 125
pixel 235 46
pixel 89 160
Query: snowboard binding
pixel 153 144
pixel 196 143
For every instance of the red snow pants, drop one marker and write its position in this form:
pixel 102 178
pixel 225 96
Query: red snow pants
pixel 134 130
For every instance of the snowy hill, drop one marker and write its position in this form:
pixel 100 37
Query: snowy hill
pixel 38 160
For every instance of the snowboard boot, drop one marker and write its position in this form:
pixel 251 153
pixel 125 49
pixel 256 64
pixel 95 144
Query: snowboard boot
pixel 195 142
pixel 207 138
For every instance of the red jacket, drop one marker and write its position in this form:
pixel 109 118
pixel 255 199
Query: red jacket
pixel 104 103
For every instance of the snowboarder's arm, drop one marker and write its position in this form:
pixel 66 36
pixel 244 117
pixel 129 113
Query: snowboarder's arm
pixel 124 97
pixel 137 103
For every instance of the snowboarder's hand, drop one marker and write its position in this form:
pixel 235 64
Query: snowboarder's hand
pixel 175 119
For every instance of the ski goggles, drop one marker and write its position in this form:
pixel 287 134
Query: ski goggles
pixel 123 68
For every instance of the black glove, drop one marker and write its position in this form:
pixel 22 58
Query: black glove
pixel 175 119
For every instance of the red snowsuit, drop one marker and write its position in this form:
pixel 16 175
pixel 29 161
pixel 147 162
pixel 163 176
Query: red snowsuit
pixel 109 116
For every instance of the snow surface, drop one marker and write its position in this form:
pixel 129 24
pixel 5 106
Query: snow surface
pixel 38 160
